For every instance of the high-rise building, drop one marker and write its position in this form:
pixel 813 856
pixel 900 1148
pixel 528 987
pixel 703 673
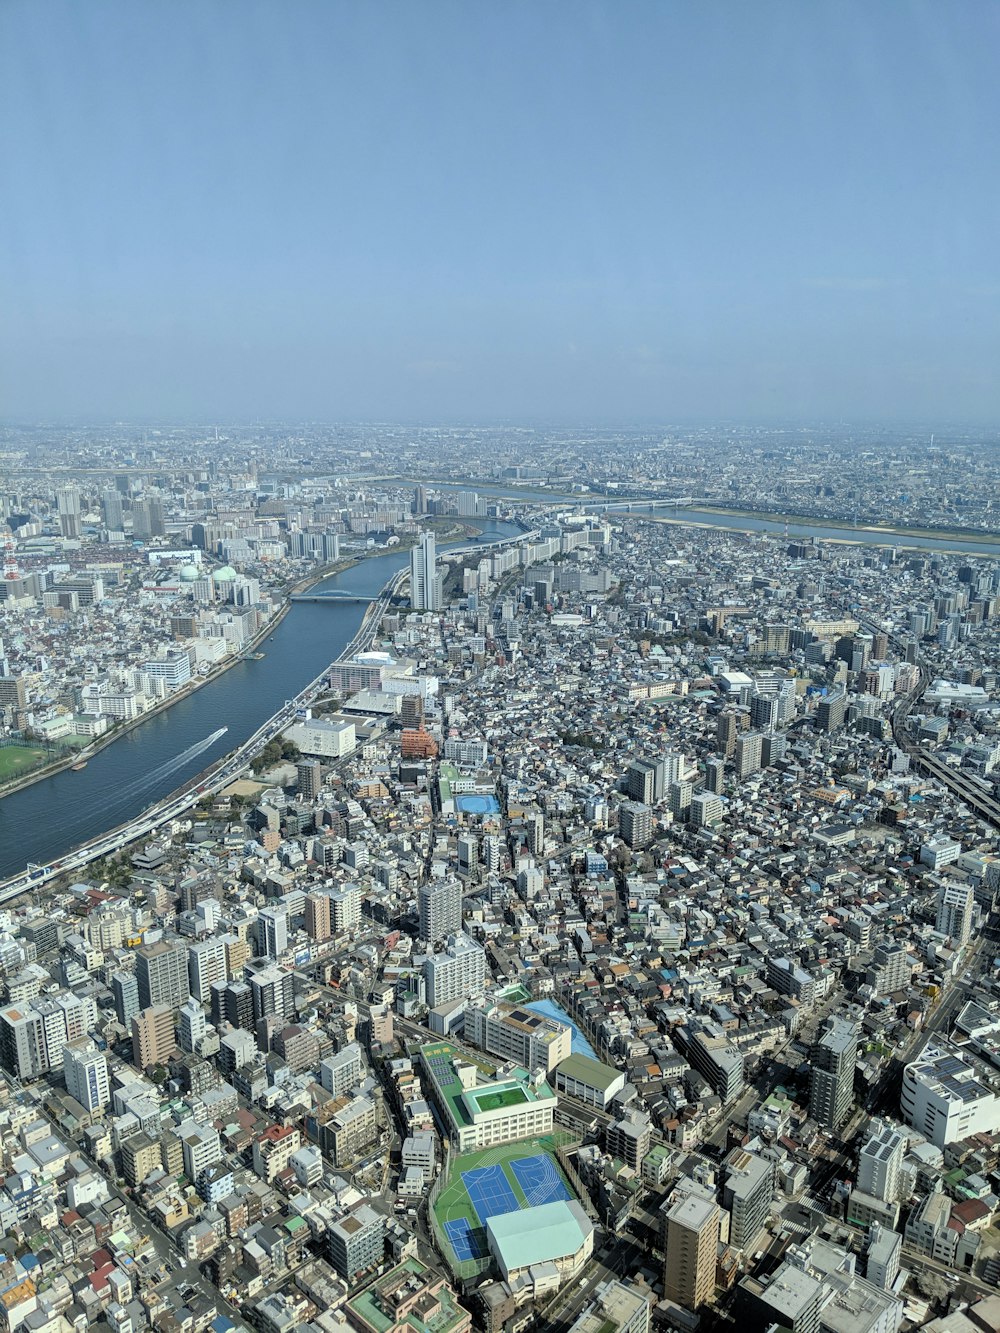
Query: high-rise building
pixel 113 511
pixel 726 730
pixel 161 970
pixel 318 915
pixel 272 926
pixel 763 712
pixel 152 1036
pixel 748 752
pixel 356 1242
pixel 833 1059
pixel 206 965
pixel 635 824
pixel 691 1240
pixel 641 781
pixel 272 990
pixel 425 589
pixel 680 794
pixel 746 1195
pixel 705 1046
pixel 192 1024
pixel 68 501
pixel 85 1069
pixel 440 905
pixel 954 912
pixel 310 778
pixel 23 1048
pixel 831 711
pixel 715 775
pixel 706 809
pixel 879 1163
pixel 125 989
pixel 458 970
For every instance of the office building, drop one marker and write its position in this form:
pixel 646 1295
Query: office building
pixel 763 712
pixel 746 1195
pixel 635 824
pixel 425 588
pixel 954 913
pixel 161 970
pixel 883 1249
pixel 790 1299
pixel 113 511
pixel 125 989
pixel 690 1241
pixel 440 906
pixel 152 1036
pixel 206 965
pixel 833 1059
pixel 458 971
pixel 944 1098
pixel 192 1025
pixel 514 1033
pixel 85 1070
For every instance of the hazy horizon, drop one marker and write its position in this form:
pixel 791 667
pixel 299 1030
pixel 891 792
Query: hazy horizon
pixel 444 214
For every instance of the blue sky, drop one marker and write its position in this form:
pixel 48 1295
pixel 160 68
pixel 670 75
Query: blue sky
pixel 482 210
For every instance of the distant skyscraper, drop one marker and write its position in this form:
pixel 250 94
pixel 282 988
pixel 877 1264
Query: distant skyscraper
pixel 113 510
pixel 425 592
pixel 69 512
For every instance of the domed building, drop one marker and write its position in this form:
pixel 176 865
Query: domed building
pixel 188 573
pixel 225 575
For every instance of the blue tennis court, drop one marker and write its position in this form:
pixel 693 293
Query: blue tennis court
pixel 490 1192
pixel 539 1180
pixel 466 1243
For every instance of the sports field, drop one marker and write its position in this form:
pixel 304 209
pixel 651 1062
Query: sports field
pixel 484 1184
pixel 18 759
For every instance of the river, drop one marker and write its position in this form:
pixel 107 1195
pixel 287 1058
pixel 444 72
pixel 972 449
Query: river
pixel 43 822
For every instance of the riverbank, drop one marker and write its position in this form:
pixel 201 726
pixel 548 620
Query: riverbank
pixel 881 538
pixel 975 535
pixel 303 584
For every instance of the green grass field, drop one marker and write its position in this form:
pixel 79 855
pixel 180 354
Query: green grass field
pixel 18 759
pixel 495 1101
pixel 453 1202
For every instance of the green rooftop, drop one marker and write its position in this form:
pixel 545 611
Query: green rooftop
pixel 497 1099
pixel 375 1307
pixel 587 1070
